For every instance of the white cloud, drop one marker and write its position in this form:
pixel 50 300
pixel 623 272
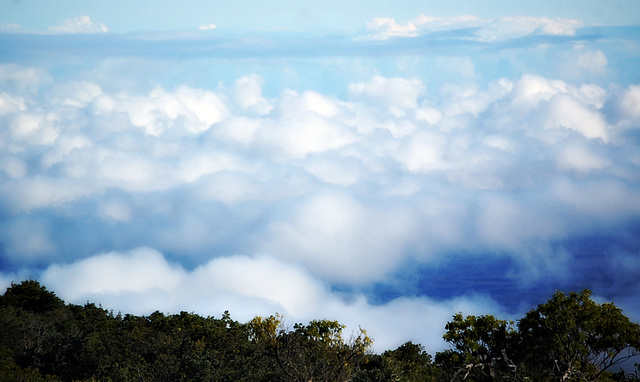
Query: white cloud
pixel 76 94
pixel 551 109
pixel 29 193
pixel 509 224
pixel 581 158
pixel 340 171
pixel 21 78
pixel 629 103
pixel 142 281
pixel 82 24
pixel 592 95
pixel 115 209
pixel 207 107
pixel 11 104
pixel 194 165
pixel 28 237
pixel 63 146
pixel 263 278
pixel 33 128
pixel 606 201
pixel 193 110
pixel 342 186
pixel 429 115
pixel 247 93
pixel 236 147
pixel 440 23
pixel 237 130
pixel 425 151
pixel 593 61
pixel 565 111
pixel 207 27
pixel 397 95
pixel 383 28
pixel 231 188
pixel 530 90
pixel 304 126
pixel 341 239
pixel 293 103
pixel 419 319
pixel 9 27
pixel 138 271
pixel 519 26
pixel 13 167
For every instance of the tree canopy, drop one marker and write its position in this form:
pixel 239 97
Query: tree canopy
pixel 572 337
pixel 568 338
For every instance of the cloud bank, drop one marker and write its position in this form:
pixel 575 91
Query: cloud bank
pixel 349 181
pixel 383 28
pixel 82 24
pixel 142 280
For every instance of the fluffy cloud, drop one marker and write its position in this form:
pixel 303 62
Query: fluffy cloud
pixel 398 95
pixel 582 158
pixel 22 78
pixel 567 112
pixel 156 113
pixel 82 24
pixel 225 145
pixel 402 180
pixel 484 29
pixel 513 27
pixel 9 27
pixel 247 93
pixel 341 239
pixel 29 193
pixel 10 104
pixel 142 280
pixel 383 28
pixel 207 27
pixel 138 271
pixel 629 103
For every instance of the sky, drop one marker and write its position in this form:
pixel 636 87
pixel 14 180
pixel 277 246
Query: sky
pixel 385 164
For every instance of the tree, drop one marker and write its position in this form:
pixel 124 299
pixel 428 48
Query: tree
pixel 314 352
pixel 408 363
pixel 482 348
pixel 571 337
pixel 31 296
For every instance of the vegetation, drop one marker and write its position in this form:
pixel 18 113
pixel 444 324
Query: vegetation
pixel 568 338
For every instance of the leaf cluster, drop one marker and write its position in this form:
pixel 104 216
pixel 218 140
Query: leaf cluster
pixel 568 338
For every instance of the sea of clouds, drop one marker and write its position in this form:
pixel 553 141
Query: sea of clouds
pixel 263 176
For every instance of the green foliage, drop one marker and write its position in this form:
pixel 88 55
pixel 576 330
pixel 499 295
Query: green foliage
pixel 568 338
pixel 481 348
pixel 10 371
pixel 313 352
pixel 84 343
pixel 32 297
pixel 408 363
pixel 571 337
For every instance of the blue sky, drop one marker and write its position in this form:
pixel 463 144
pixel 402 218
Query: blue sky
pixel 386 165
pixel 330 15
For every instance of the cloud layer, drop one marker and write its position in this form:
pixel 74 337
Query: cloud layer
pixel 82 24
pixel 389 191
pixel 483 29
pixel 142 280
